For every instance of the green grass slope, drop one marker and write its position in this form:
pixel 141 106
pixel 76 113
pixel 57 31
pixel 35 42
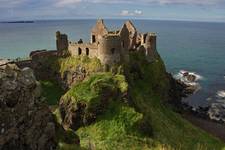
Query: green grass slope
pixel 61 65
pixel 143 120
pixel 169 128
pixel 51 91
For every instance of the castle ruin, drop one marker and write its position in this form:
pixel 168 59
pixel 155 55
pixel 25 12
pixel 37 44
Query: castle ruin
pixel 110 47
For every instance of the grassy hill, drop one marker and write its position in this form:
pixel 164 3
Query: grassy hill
pixel 140 119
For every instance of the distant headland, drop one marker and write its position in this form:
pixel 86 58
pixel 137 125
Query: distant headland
pixel 17 22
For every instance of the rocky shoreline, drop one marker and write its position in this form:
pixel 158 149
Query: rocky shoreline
pixel 214 111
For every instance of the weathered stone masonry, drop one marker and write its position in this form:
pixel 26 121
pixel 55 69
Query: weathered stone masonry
pixel 110 46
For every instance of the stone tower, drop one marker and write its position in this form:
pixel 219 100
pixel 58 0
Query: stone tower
pixel 109 49
pixel 61 41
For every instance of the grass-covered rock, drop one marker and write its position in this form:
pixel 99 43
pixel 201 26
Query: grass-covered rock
pixel 67 71
pixel 85 101
pixel 149 87
pixel 111 111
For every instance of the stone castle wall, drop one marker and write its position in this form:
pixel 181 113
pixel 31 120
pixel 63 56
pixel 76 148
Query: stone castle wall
pixel 110 46
pixel 87 49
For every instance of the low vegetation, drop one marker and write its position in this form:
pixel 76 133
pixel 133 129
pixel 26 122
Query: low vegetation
pixel 51 91
pixel 61 65
pixel 136 115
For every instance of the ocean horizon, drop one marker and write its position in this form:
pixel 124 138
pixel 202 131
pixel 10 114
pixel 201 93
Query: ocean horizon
pixel 198 47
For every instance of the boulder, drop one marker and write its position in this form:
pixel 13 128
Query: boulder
pixel 217 111
pixel 73 76
pixel 191 78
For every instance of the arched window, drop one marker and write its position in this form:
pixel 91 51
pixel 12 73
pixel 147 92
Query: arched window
pixel 87 51
pixel 113 50
pixel 79 51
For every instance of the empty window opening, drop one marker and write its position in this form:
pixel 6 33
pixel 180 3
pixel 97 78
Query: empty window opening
pixel 93 39
pixel 145 38
pixel 123 44
pixel 113 50
pixel 79 51
pixel 87 51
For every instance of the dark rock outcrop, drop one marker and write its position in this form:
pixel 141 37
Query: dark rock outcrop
pixel 74 76
pixel 217 111
pixel 189 77
pixel 26 123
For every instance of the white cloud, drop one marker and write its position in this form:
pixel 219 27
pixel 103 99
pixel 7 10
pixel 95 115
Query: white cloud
pixel 65 3
pixel 195 2
pixel 62 3
pixel 11 3
pixel 125 13
pixel 131 13
pixel 138 12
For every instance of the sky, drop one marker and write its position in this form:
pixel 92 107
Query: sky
pixel 193 10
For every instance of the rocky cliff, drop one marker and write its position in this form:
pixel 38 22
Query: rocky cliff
pixel 124 108
pixel 25 121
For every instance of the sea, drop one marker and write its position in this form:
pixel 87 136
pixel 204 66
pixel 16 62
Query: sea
pixel 197 47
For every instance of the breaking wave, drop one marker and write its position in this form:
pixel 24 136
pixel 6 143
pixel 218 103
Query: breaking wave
pixel 220 94
pixel 181 76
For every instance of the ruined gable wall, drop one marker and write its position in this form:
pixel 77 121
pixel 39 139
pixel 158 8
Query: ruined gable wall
pixel 124 35
pixel 148 42
pixel 132 34
pixel 98 31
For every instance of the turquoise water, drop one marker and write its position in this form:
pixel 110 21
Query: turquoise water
pixel 194 46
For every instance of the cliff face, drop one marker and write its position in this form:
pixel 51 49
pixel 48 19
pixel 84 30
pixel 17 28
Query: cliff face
pixel 25 122
pixel 124 108
pixel 128 109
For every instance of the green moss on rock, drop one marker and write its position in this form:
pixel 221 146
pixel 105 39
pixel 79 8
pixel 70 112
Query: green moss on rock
pixel 69 63
pixel 95 108
pixel 84 101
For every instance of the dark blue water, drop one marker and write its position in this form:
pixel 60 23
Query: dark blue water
pixel 193 46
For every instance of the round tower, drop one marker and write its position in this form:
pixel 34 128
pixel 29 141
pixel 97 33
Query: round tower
pixel 109 49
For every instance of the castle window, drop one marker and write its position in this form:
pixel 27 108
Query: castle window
pixel 113 50
pixel 79 51
pixel 123 44
pixel 87 51
pixel 93 39
pixel 145 38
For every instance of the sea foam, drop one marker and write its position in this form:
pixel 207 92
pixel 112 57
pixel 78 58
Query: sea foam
pixel 180 76
pixel 220 94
